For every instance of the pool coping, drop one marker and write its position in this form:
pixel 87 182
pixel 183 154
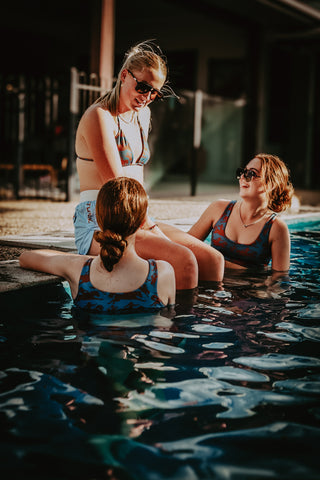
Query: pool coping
pixel 13 277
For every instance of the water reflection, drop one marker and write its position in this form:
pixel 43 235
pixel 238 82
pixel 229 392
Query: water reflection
pixel 214 389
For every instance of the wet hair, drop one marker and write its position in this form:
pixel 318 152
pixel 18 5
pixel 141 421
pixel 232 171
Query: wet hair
pixel 142 55
pixel 120 209
pixel 277 178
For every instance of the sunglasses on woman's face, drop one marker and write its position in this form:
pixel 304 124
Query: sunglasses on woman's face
pixel 144 88
pixel 247 173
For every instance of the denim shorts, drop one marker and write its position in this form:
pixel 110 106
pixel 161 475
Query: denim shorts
pixel 85 224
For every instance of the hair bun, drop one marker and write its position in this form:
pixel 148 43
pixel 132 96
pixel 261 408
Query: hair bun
pixel 112 247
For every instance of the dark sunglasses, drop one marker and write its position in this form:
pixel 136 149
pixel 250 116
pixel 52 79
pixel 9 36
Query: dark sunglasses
pixel 248 174
pixel 144 88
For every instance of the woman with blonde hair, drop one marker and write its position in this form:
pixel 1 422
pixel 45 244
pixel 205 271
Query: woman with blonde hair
pixel 117 280
pixel 111 141
pixel 248 232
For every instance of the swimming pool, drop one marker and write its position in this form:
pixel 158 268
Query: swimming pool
pixel 226 388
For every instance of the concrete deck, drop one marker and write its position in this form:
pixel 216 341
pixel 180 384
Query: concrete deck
pixel 12 277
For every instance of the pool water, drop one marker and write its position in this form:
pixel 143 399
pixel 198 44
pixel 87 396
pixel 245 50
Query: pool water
pixel 225 387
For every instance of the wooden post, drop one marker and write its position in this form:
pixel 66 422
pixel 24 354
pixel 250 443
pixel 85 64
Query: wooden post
pixel 107 44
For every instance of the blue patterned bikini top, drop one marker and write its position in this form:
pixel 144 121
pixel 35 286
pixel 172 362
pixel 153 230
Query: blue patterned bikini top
pixel 125 152
pixel 143 299
pixel 255 254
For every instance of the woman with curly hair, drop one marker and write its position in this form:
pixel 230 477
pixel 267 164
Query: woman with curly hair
pixel 248 232
pixel 118 280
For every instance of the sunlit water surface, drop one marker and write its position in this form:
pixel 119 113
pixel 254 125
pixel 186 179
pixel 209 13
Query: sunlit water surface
pixel 226 387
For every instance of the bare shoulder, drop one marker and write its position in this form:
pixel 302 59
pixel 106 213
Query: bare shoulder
pixel 77 259
pixel 96 113
pixel 208 218
pixel 221 203
pixel 69 266
pixel 217 207
pixel 279 228
pixel 165 269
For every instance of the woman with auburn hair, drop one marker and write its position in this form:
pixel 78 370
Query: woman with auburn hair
pixel 117 280
pixel 248 232
pixel 112 141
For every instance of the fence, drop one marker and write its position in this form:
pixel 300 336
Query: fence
pixel 38 118
pixel 197 136
pixel 33 135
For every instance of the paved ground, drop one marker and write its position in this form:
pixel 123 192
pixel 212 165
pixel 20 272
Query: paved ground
pixel 40 218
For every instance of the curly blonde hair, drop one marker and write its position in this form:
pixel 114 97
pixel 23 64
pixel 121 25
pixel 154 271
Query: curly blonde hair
pixel 121 208
pixel 277 178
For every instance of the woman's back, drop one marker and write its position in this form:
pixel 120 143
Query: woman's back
pixel 144 298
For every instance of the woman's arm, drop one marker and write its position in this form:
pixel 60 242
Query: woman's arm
pixel 62 264
pixel 48 261
pixel 55 262
pixel 280 246
pixel 203 226
pixel 98 130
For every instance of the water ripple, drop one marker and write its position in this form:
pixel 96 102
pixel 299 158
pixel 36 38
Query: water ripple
pixel 277 361
pixel 217 345
pixel 308 333
pixel 233 373
pixel 161 347
pixel 309 385
pixel 237 401
pixel 210 329
pixel 311 311
pixel 284 337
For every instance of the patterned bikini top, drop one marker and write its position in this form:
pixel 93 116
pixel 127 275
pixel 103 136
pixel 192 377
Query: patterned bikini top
pixel 255 254
pixel 143 299
pixel 125 152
